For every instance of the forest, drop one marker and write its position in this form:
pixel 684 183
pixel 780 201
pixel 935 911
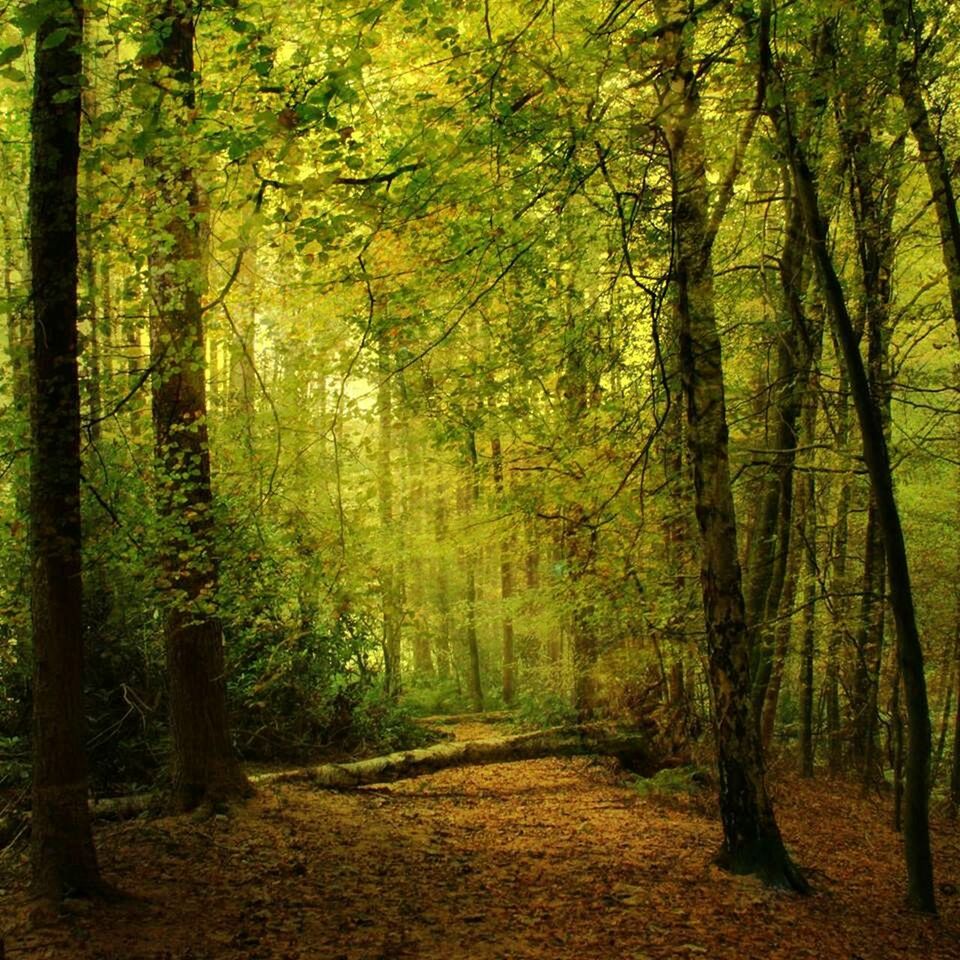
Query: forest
pixel 479 479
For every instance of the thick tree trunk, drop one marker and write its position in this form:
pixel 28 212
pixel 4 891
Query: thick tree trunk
pixel 752 841
pixel 634 748
pixel 916 821
pixel 205 767
pixel 63 859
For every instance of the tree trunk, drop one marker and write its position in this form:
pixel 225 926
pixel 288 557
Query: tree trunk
pixel 875 172
pixel 471 499
pixel 955 765
pixel 507 546
pixel 205 767
pixel 63 859
pixel 391 581
pixel 752 841
pixel 905 23
pixel 808 650
pixel 839 588
pixel 782 634
pixel 770 544
pixel 443 652
pixel 896 720
pixel 917 829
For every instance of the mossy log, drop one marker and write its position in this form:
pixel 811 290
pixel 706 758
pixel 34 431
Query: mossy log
pixel 635 749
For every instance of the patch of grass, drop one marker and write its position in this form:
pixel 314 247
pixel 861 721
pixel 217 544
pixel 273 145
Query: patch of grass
pixel 672 782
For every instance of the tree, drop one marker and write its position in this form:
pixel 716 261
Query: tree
pixel 63 858
pixel 752 840
pixel 917 830
pixel 205 767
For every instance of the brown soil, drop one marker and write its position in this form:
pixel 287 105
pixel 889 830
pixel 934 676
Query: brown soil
pixel 549 859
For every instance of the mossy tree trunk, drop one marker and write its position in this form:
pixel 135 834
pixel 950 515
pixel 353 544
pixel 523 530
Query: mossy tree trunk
pixel 206 769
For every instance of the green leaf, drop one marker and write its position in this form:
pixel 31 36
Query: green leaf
pixel 56 37
pixel 10 54
pixel 12 73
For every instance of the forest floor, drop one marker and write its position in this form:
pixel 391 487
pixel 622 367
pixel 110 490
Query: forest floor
pixel 547 859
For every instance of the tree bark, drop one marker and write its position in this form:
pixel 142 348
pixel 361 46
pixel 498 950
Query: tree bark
pixel 916 821
pixel 205 767
pixel 752 840
pixel 62 855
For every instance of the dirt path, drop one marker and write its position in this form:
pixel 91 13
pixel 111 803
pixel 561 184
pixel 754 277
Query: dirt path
pixel 549 859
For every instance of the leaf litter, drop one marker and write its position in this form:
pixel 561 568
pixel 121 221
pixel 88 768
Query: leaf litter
pixel 536 860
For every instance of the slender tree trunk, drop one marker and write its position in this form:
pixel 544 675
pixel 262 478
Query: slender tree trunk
pixel 444 665
pixel 507 547
pixel 955 765
pixel 917 829
pixel 752 840
pixel 905 23
pixel 875 171
pixel 781 649
pixel 205 767
pixel 808 528
pixel 391 583
pixel 808 650
pixel 770 544
pixel 470 559
pixel 840 588
pixel 413 522
pixel 896 720
pixel 62 854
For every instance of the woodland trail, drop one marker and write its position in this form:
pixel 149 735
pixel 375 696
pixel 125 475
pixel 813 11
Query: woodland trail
pixel 546 859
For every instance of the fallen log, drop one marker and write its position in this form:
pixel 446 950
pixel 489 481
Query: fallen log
pixel 451 719
pixel 634 749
